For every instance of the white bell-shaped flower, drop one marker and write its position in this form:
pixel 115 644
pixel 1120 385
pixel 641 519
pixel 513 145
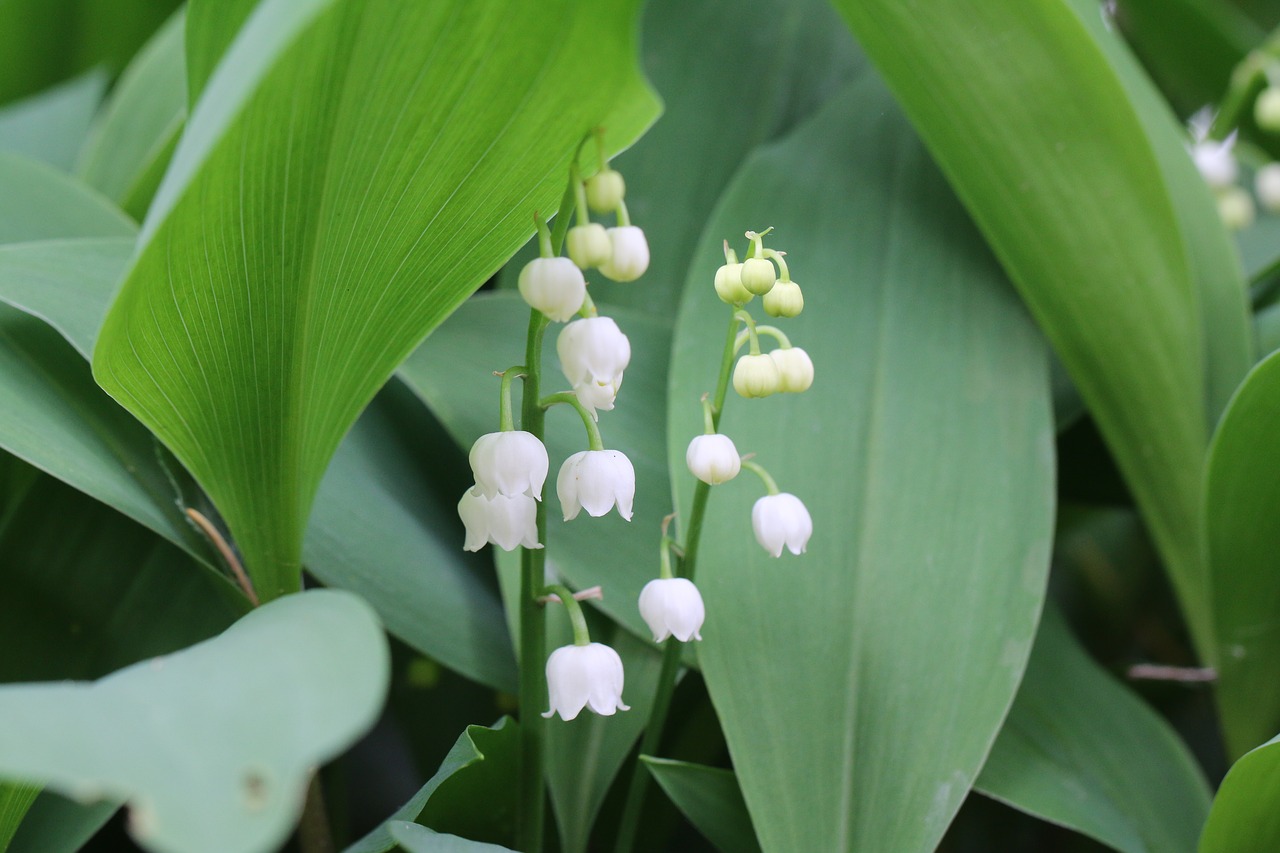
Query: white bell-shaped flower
pixel 785 299
pixel 630 256
pixel 1216 161
pixel 511 462
pixel 554 286
pixel 507 522
pixel 781 520
pixel 1266 184
pixel 584 676
pixel 597 481
pixel 588 245
pixel 593 355
pixel 672 606
pixel 795 369
pixel 713 459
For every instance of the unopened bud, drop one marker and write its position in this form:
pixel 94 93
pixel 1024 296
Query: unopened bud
pixel 795 369
pixel 1266 183
pixel 1235 206
pixel 589 245
pixel 605 191
pixel 784 300
pixel 756 376
pixel 1266 110
pixel 729 285
pixel 758 275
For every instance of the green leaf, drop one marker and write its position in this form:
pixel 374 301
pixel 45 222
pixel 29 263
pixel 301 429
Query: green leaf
pixel 924 455
pixel 420 839
pixel 66 283
pixel 361 186
pixel 479 800
pixel 1241 504
pixel 15 800
pixel 1259 247
pixel 57 825
pixel 1068 165
pixel 1084 752
pixel 251 712
pixel 466 752
pixel 452 373
pixel 1244 817
pixel 50 126
pixel 140 124
pixel 375 532
pixel 710 798
pixel 41 203
pixel 88 591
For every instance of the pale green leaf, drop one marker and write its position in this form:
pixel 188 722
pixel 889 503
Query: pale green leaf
pixel 861 685
pixel 40 203
pixel 211 746
pixel 420 839
pixel 351 172
pixel 51 126
pixel 1245 817
pixel 1084 752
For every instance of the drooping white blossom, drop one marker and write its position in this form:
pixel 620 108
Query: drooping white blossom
pixel 584 676
pixel 629 257
pixel 593 354
pixel 597 481
pixel 511 462
pixel 508 522
pixel 713 459
pixel 756 376
pixel 779 520
pixel 672 606
pixel 1216 161
pixel 554 286
pixel 795 369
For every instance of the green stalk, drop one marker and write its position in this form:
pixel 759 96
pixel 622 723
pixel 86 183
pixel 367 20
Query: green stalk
pixel 530 814
pixel 671 652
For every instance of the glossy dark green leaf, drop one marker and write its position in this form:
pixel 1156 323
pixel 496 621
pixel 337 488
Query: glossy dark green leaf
pixel 375 532
pixel 1084 752
pixel 253 710
pixel 1074 173
pixel 1245 817
pixel 710 798
pixel 58 825
pixel 466 753
pixel 140 123
pixel 364 167
pixel 861 685
pixel 420 839
pixel 1241 505
pixel 51 126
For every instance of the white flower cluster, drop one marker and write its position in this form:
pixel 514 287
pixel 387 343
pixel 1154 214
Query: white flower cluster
pixel 1217 163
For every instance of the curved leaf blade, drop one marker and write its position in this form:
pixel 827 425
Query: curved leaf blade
pixel 924 454
pixel 362 191
pixel 1244 816
pixel 710 798
pixel 253 710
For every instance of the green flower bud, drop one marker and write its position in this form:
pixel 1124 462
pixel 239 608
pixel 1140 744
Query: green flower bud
pixel 589 245
pixel 1266 184
pixel 729 285
pixel 1235 206
pixel 605 190
pixel 758 275
pixel 1266 110
pixel 784 300
pixel 756 376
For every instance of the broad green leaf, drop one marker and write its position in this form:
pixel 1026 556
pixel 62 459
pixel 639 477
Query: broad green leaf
pixel 1245 817
pixel 351 172
pixel 1266 328
pixel 1259 246
pixel 374 532
pixel 479 800
pixel 43 42
pixel 58 825
pixel 15 800
pixel 66 283
pixel 710 798
pixel 1241 506
pixel 88 591
pixel 452 373
pixel 467 752
pixel 923 452
pixel 1056 151
pixel 41 203
pixel 1082 751
pixel 140 123
pixel 420 839
pixel 253 712
pixel 50 126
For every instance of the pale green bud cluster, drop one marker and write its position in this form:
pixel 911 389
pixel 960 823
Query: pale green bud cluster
pixel 620 253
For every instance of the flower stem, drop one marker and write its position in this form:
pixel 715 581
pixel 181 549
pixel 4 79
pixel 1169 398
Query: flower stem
pixel 506 422
pixel 531 804
pixel 777 258
pixel 745 316
pixel 672 650
pixel 581 636
pixel 756 468
pixel 594 441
